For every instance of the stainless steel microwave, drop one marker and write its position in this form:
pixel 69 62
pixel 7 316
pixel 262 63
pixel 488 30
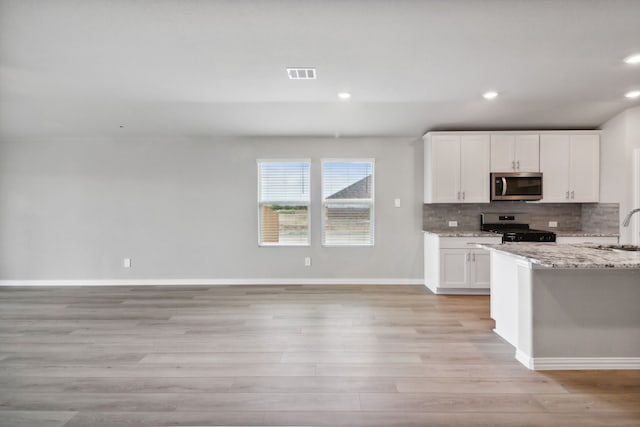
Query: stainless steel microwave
pixel 516 186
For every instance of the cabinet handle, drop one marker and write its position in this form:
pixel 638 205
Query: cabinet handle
pixel 513 164
pixel 572 194
pixel 518 165
pixel 459 195
pixel 473 257
pixel 567 196
pixel 463 195
pixel 468 257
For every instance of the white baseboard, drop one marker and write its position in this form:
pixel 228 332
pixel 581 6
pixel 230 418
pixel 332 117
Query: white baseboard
pixel 209 282
pixel 458 291
pixel 524 359
pixel 577 363
pixel 505 336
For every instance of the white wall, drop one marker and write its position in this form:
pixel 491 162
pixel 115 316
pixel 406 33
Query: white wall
pixel 620 136
pixel 186 209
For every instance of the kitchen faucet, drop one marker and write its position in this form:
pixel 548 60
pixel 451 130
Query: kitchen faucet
pixel 628 218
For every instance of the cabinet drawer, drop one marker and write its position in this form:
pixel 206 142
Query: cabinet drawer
pixel 466 242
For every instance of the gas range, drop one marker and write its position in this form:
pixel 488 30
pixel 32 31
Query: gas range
pixel 513 228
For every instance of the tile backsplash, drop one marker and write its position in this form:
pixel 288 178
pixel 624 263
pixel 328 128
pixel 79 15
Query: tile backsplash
pixel 592 217
pixel 601 217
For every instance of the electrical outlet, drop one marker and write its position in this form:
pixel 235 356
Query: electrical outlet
pixel 553 224
pixel 453 223
pixel 396 203
pixel 307 261
pixel 126 263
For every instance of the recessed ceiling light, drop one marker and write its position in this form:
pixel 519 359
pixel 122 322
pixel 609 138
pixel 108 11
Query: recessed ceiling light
pixel 490 95
pixel 633 59
pixel 344 95
pixel 306 73
pixel 633 94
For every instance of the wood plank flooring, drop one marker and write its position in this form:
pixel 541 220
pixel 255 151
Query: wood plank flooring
pixel 280 356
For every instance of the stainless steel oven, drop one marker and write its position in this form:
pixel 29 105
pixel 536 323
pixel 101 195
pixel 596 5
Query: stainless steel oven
pixel 516 186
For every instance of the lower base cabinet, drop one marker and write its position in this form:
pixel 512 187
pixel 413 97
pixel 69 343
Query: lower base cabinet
pixel 462 268
pixel 454 266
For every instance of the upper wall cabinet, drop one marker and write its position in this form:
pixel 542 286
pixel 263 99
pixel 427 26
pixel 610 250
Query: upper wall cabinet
pixel 570 164
pixel 457 164
pixel 456 168
pixel 515 153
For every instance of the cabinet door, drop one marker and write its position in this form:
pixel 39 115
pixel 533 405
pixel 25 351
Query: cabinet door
pixel 527 153
pixel 554 162
pixel 474 168
pixel 502 153
pixel 480 276
pixel 444 168
pixel 584 168
pixel 454 268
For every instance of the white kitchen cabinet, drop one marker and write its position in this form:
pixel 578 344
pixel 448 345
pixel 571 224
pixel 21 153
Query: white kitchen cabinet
pixel 481 269
pixel 457 164
pixel 474 168
pixel 584 168
pixel 515 153
pixel 570 164
pixel 454 269
pixel 454 266
pixel 442 169
pixel 464 268
pixel 456 168
pixel 554 165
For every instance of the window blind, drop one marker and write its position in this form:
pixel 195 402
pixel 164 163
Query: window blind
pixel 283 202
pixel 347 203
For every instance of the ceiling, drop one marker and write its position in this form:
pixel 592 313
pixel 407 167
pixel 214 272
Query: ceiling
pixel 214 67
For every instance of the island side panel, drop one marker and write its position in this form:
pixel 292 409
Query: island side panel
pixel 504 296
pixel 524 346
pixel 587 313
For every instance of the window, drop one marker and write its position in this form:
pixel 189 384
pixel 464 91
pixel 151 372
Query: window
pixel 347 203
pixel 283 203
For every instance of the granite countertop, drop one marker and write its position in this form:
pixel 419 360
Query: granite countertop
pixel 557 255
pixel 580 233
pixel 457 232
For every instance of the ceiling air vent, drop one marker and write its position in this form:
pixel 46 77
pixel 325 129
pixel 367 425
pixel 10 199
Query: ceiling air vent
pixel 301 73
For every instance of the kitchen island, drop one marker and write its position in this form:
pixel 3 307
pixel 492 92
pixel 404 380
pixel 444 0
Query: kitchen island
pixel 566 306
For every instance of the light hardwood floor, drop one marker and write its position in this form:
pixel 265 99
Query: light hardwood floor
pixel 280 355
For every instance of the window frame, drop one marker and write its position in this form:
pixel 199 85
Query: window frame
pixel 260 203
pixel 371 201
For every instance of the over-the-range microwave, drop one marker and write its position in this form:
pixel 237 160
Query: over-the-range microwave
pixel 516 186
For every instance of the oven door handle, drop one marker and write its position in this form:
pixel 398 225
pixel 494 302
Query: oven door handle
pixel 504 186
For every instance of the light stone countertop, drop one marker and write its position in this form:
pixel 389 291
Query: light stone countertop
pixel 457 232
pixel 557 255
pixel 580 233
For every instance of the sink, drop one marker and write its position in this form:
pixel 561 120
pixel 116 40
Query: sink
pixel 616 248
